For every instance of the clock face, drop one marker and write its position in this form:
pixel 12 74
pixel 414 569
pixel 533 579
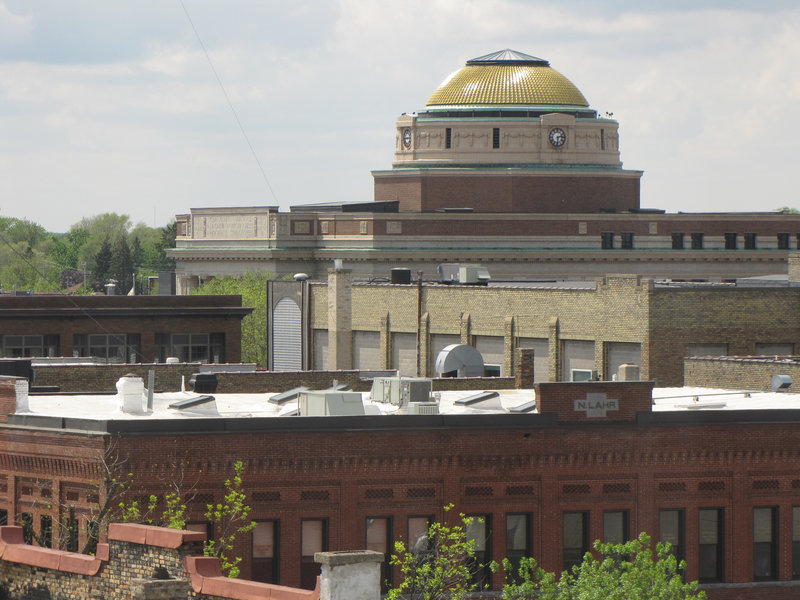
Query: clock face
pixel 407 137
pixel 557 137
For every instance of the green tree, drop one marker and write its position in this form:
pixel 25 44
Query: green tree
pixel 121 265
pixel 438 566
pixel 230 519
pixel 253 290
pixel 102 263
pixel 622 571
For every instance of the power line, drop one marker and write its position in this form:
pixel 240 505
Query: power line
pixel 228 100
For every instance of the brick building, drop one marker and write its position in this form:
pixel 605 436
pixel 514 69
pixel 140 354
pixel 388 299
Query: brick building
pixel 506 165
pixel 576 329
pixel 717 477
pixel 123 329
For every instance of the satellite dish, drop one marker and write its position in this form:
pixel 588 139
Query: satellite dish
pixel 300 276
pixel 463 359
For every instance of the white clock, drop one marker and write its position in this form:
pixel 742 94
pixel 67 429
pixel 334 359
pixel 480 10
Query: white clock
pixel 407 137
pixel 557 137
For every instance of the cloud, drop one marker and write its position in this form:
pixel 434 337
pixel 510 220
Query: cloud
pixel 121 110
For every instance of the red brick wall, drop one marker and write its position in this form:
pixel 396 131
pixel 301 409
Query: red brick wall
pixel 571 401
pixel 346 470
pixel 510 192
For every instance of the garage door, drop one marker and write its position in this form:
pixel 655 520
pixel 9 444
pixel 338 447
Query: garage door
pixel 287 336
pixel 404 353
pixel 321 349
pixel 620 353
pixel 491 348
pixel 541 357
pixel 577 360
pixel 366 350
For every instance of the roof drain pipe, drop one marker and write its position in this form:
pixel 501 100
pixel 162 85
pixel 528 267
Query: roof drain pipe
pixel 151 381
pixel 419 323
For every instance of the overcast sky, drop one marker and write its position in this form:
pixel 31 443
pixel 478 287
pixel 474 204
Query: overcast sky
pixel 111 105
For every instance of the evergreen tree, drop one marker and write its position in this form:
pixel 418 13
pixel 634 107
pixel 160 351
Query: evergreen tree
pixel 102 268
pixel 137 252
pixel 121 265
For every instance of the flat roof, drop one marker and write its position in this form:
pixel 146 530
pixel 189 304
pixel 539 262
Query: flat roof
pixel 102 413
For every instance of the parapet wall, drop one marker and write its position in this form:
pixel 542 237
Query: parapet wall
pixel 739 372
pixel 103 378
pixel 153 563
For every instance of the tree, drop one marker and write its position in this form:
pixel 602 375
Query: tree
pixel 623 571
pixel 121 265
pixel 253 290
pixel 438 566
pixel 230 519
pixel 102 267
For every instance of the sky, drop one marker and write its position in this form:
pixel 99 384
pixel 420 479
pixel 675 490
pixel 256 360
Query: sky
pixel 113 106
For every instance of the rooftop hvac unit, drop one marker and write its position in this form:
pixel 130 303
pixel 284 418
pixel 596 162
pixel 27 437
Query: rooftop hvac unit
pixel 463 274
pixel 583 375
pixel 400 390
pixel 423 408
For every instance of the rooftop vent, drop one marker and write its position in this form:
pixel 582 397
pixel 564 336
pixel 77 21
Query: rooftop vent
pixel 459 360
pixel 131 392
pixel 203 383
pixel 328 403
pixel 781 383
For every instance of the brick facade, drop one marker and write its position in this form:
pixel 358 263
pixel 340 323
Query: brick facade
pixel 342 471
pixel 145 316
pixel 667 322
pixel 740 372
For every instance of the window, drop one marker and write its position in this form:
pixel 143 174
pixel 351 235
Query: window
pixel 418 533
pixel 707 349
pixel 615 526
pixel 479 530
pixel 576 538
pixel 264 563
pixel 710 558
pixel 677 241
pixel 602 139
pixel 46 538
pixel 783 241
pixel 72 531
pixel 496 137
pixel 313 539
pixel 606 240
pixel 379 539
pixel 27 528
pixel 448 137
pixel 110 348
pixel 191 347
pixel 627 240
pixel 749 241
pixel 765 543
pixel 3 516
pixel 671 529
pixel 518 540
pixel 730 241
pixel 697 241
pixel 22 346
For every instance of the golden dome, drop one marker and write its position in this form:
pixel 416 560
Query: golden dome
pixel 507 77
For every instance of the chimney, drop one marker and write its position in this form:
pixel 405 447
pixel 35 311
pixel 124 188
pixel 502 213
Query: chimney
pixel 13 396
